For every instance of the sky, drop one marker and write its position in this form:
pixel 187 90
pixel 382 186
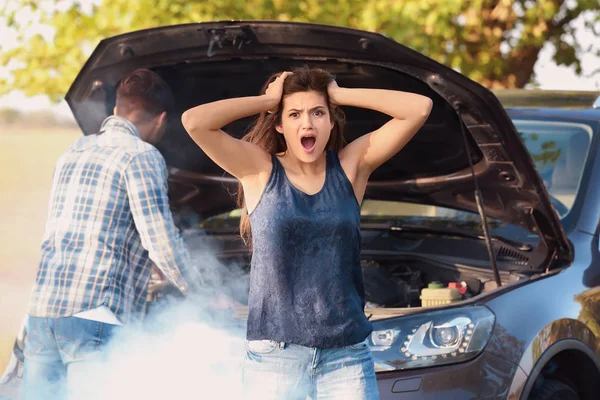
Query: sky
pixel 549 75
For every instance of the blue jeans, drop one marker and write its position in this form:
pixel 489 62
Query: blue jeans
pixel 274 370
pixel 57 351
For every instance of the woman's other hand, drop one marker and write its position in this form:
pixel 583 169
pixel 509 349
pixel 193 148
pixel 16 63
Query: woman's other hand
pixel 333 92
pixel 275 91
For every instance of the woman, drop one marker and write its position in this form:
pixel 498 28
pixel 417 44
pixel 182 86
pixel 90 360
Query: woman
pixel 301 188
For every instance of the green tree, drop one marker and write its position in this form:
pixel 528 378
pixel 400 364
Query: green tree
pixel 493 42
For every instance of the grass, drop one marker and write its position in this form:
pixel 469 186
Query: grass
pixel 27 158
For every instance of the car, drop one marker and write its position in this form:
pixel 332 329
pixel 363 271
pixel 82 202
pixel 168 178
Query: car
pixel 479 239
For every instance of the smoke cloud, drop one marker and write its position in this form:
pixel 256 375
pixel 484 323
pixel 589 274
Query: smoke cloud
pixel 184 352
pixel 186 348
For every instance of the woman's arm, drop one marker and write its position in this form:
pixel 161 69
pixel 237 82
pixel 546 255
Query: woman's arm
pixel 408 111
pixel 239 158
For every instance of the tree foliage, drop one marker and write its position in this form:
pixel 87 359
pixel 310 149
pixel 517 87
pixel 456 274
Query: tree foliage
pixel 493 42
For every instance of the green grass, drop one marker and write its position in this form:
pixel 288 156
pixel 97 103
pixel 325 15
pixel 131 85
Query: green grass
pixel 27 158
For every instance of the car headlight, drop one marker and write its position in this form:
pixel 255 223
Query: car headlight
pixel 431 339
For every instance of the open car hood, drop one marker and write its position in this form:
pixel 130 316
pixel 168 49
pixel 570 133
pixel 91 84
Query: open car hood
pixel 210 61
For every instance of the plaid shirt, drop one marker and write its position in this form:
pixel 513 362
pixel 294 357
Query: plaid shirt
pixel 108 222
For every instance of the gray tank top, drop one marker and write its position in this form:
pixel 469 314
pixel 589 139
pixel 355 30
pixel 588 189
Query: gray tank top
pixel 306 281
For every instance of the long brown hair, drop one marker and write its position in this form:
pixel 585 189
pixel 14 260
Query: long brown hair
pixel 263 134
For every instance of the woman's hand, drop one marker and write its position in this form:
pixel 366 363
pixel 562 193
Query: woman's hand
pixel 275 91
pixel 333 91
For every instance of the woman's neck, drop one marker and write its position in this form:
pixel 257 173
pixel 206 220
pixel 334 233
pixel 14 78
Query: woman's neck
pixel 294 165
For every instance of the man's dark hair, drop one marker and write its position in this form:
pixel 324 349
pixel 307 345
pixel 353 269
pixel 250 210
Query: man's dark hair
pixel 144 90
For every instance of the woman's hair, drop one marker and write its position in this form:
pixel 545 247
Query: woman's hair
pixel 264 135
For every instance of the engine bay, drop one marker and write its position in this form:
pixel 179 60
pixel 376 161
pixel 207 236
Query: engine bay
pixel 394 284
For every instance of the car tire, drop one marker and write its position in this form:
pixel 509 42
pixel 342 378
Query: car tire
pixel 551 389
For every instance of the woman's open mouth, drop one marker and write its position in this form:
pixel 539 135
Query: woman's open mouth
pixel 308 143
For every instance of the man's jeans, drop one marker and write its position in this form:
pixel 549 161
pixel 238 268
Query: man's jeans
pixel 56 355
pixel 280 371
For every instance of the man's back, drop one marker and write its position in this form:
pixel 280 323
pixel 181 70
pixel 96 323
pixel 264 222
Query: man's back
pixel 109 223
pixel 108 197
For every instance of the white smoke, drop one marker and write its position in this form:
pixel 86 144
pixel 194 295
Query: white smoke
pixel 187 350
pixel 177 356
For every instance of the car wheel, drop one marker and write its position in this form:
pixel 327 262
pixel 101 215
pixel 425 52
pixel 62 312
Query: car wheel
pixel 551 389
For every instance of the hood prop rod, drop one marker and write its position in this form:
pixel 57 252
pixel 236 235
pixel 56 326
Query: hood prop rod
pixel 479 201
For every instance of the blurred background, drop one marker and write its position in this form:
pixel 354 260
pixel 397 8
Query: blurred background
pixel 543 44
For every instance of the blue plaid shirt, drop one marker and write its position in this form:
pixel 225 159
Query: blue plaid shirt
pixel 108 222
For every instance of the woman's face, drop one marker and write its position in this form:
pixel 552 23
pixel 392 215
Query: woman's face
pixel 305 124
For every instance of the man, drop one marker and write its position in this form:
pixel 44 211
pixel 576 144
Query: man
pixel 109 221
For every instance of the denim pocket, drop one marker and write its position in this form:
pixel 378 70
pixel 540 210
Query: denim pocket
pixel 79 339
pixel 360 346
pixel 261 346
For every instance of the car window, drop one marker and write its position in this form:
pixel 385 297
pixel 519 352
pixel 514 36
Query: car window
pixel 559 150
pixel 405 213
pixel 372 210
pixel 384 208
pixel 377 208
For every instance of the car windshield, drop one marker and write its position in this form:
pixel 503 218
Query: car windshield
pixel 559 150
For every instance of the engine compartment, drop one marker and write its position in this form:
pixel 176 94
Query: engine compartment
pixel 393 283
pixel 400 284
